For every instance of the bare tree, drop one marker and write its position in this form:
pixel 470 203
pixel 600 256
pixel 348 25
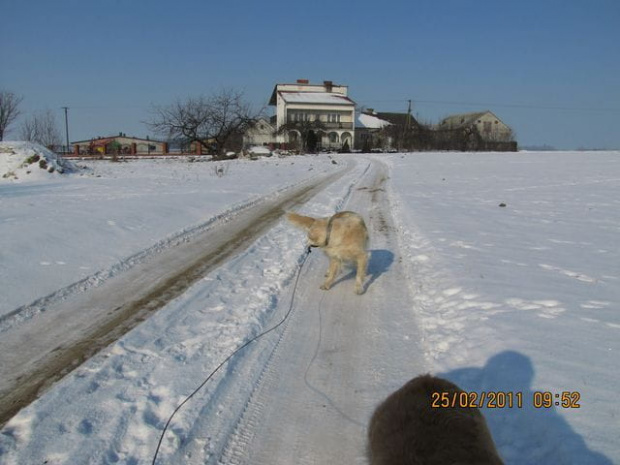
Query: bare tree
pixel 210 121
pixel 42 129
pixel 9 110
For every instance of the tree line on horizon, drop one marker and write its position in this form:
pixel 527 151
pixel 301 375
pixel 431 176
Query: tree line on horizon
pixel 217 121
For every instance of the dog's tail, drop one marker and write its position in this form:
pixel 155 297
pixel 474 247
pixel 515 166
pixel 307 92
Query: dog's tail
pixel 300 221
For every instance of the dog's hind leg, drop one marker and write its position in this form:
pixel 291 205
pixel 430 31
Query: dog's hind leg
pixel 332 272
pixel 362 263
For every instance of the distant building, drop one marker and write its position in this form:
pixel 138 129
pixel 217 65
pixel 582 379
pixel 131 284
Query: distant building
pixel 385 131
pixel 372 133
pixel 119 145
pixel 489 126
pixel 260 133
pixel 313 116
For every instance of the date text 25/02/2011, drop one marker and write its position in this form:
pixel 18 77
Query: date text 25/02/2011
pixel 505 399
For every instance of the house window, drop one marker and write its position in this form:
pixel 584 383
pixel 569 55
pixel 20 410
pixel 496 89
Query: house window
pixel 297 116
pixel 333 118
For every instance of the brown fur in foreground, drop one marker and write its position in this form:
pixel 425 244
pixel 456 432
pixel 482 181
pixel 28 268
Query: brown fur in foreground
pixel 343 238
pixel 406 430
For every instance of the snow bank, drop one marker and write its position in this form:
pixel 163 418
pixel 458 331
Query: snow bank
pixel 27 161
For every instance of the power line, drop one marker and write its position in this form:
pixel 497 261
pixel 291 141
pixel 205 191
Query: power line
pixel 520 105
pixel 501 104
pixel 107 107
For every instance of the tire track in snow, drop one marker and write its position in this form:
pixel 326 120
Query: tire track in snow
pixel 42 350
pixel 24 313
pixel 238 391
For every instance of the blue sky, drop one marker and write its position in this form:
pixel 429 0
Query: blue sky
pixel 548 68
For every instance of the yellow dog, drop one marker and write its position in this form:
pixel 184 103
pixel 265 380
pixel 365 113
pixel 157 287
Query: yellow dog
pixel 343 237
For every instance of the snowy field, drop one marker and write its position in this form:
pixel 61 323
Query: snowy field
pixel 521 298
pixel 512 277
pixel 66 228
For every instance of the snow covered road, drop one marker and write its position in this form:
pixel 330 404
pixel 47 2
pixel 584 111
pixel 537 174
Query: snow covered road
pixel 76 322
pixel 306 389
pixel 340 354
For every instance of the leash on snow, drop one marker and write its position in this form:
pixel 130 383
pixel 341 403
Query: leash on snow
pixel 264 333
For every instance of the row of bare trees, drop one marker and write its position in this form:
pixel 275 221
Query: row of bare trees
pixel 218 121
pixel 40 127
pixel 213 121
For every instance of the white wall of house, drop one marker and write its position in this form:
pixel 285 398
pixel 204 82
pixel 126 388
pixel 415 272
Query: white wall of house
pixel 491 127
pixel 326 102
pixel 262 133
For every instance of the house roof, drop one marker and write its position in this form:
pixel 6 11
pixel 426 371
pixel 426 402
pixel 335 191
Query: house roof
pixel 316 98
pixel 106 140
pixel 303 83
pixel 398 119
pixel 260 122
pixel 367 121
pixel 464 119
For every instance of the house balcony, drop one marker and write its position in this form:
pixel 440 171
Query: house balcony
pixel 348 126
pixel 333 126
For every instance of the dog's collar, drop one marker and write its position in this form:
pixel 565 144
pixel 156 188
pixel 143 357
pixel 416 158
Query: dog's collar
pixel 329 230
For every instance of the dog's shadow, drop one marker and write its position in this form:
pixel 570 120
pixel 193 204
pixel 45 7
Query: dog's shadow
pixel 379 263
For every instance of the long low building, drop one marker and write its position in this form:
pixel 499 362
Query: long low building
pixel 119 145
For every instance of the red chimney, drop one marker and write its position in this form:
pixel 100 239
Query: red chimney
pixel 302 81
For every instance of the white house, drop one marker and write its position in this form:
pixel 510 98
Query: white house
pixel 372 133
pixel 261 132
pixel 313 114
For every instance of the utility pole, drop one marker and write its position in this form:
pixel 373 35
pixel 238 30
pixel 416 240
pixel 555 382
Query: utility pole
pixel 67 127
pixel 407 125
